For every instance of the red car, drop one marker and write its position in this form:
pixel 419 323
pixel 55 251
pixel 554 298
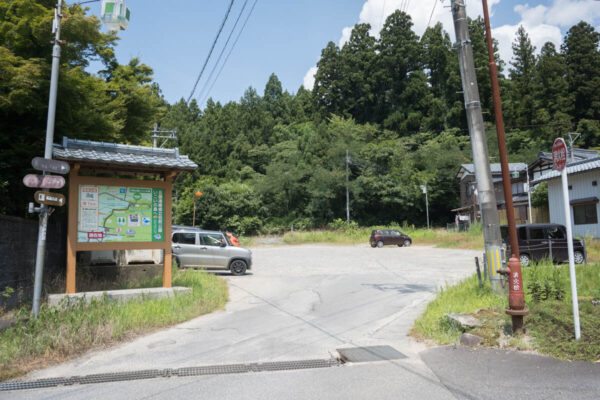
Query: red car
pixel 381 237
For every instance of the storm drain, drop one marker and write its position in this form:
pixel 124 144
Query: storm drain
pixel 369 354
pixel 170 372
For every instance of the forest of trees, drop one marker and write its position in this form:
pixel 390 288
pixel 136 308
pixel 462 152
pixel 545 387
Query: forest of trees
pixel 276 158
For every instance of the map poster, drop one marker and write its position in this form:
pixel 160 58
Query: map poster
pixel 120 214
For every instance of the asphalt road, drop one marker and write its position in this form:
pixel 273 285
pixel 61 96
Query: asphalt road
pixel 302 303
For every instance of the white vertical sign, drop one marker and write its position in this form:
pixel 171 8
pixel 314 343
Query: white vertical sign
pixel 559 158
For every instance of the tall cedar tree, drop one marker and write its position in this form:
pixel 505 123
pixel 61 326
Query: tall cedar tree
pixel 521 74
pixel 580 49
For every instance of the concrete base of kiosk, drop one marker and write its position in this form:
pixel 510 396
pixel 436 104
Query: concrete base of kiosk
pixel 65 300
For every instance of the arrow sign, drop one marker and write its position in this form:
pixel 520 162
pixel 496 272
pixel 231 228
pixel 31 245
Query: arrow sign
pixel 49 165
pixel 44 181
pixel 50 199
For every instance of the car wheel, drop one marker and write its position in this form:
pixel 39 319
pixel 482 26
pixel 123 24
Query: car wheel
pixel 238 267
pixel 379 244
pixel 525 260
pixel 578 257
pixel 406 243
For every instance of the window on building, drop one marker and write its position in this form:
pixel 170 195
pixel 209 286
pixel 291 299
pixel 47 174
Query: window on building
pixel 585 214
pixel 518 188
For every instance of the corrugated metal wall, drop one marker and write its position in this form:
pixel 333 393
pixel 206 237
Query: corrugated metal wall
pixel 581 188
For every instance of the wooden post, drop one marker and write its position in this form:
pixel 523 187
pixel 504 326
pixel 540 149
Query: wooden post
pixel 168 215
pixel 73 202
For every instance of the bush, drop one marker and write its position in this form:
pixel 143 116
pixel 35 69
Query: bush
pixel 343 226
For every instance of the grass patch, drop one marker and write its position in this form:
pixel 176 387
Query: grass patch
pixel 549 326
pixel 61 334
pixel 465 297
pixel 439 237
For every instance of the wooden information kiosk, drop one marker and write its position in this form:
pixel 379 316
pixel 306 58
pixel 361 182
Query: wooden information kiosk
pixel 108 211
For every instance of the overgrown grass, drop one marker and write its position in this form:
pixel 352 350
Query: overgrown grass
pixel 465 297
pixel 352 235
pixel 549 325
pixel 59 334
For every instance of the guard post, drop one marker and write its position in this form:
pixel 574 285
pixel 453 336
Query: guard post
pixel 120 198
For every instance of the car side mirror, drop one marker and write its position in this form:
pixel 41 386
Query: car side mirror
pixel 223 244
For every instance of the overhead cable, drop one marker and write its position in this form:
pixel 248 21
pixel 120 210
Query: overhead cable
pixel 200 94
pixel 230 51
pixel 211 50
pixel 431 15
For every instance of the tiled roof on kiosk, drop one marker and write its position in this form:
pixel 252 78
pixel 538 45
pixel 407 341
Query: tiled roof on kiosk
pixel 121 154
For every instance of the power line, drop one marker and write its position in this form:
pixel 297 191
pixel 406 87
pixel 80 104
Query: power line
pixel 230 51
pixel 222 50
pixel 211 50
pixel 431 15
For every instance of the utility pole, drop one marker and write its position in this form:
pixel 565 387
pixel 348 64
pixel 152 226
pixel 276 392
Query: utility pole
pixel 573 136
pixel 155 136
pixel 424 189
pixel 347 188
pixel 483 175
pixel 516 297
pixel 44 210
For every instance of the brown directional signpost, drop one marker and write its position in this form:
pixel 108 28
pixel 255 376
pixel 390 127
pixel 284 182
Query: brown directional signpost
pixel 50 199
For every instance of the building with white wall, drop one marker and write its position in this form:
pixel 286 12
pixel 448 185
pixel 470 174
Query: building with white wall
pixel 584 195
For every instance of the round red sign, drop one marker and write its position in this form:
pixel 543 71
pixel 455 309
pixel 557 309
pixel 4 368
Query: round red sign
pixel 559 154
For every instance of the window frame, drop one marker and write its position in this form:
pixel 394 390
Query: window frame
pixel 587 207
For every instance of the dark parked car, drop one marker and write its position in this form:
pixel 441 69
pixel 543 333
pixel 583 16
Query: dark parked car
pixel 381 237
pixel 540 241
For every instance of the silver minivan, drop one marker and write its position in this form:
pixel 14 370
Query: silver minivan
pixel 193 247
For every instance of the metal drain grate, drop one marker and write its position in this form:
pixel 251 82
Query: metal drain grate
pixel 169 372
pixel 369 353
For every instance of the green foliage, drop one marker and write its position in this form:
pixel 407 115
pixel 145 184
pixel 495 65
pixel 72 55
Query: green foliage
pixel 118 105
pixel 539 197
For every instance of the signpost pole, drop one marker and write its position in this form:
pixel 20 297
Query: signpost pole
pixel 44 210
pixel 559 156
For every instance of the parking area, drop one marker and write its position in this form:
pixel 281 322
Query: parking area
pixel 299 302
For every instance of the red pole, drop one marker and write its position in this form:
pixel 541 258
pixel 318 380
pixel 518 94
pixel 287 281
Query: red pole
pixel 516 297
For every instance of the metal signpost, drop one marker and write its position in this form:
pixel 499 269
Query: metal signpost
pixel 559 159
pixel 47 164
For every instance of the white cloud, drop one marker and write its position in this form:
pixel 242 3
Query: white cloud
pixel 309 78
pixel 566 13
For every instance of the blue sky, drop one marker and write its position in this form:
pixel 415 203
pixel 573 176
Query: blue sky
pixel 286 36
